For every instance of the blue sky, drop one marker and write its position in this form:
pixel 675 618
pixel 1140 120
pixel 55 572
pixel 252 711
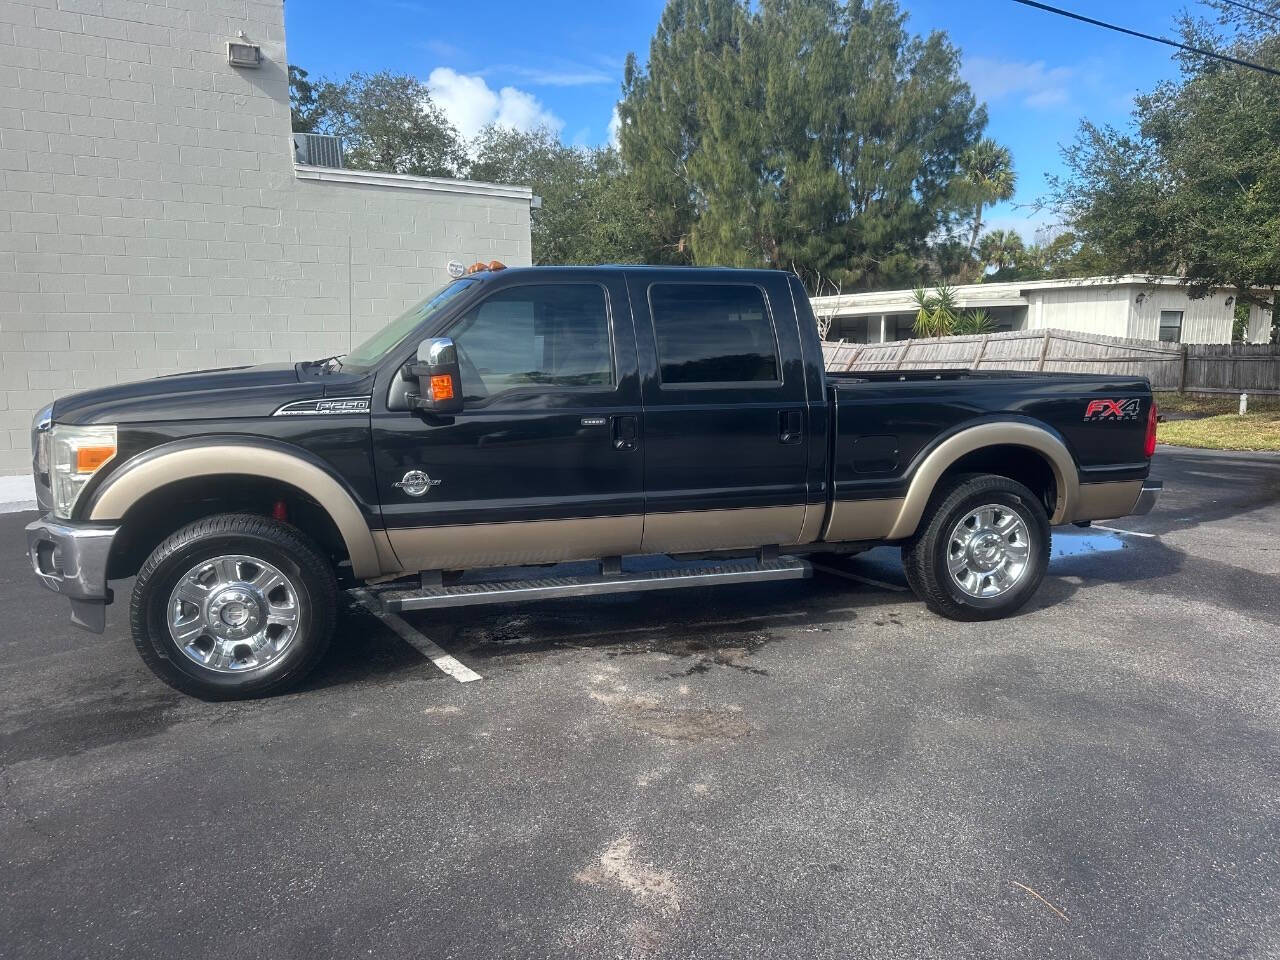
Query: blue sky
pixel 560 63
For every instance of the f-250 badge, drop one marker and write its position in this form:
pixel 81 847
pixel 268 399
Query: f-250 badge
pixel 1112 409
pixel 415 483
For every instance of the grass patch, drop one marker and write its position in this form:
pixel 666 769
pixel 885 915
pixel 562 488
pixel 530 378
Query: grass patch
pixel 1210 404
pixel 1230 431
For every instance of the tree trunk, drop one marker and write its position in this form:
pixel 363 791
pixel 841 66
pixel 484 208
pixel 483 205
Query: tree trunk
pixel 977 228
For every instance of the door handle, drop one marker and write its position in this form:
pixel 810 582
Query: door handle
pixel 624 432
pixel 791 426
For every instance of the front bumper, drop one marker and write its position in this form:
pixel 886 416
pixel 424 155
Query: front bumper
pixel 71 559
pixel 1151 490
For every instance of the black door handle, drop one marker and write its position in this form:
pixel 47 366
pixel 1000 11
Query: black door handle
pixel 791 426
pixel 624 432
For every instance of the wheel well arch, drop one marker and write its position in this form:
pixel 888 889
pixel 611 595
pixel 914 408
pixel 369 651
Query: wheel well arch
pixel 1029 467
pixel 160 512
pixel 202 469
pixel 994 447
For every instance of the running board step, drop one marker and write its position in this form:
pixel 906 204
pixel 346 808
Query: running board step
pixel 544 588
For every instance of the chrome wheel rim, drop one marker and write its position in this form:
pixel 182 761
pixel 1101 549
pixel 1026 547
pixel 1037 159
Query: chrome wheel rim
pixel 233 613
pixel 988 551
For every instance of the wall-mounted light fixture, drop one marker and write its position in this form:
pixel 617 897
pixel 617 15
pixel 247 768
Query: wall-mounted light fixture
pixel 241 54
pixel 1141 297
pixel 1230 301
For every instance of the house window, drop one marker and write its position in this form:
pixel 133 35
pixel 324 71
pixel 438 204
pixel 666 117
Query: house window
pixel 1171 326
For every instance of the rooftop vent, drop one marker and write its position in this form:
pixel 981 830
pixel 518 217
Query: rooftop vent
pixel 317 150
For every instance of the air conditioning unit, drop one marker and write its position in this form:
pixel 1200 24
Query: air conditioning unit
pixel 317 150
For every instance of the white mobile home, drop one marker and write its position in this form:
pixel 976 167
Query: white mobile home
pixel 1145 308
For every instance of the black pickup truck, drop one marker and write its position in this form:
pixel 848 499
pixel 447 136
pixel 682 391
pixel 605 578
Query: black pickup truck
pixel 659 427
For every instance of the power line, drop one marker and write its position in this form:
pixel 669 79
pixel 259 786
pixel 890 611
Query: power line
pixel 1245 6
pixel 1147 36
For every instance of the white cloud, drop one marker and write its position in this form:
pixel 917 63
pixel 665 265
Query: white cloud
pixel 570 76
pixel 615 124
pixel 471 104
pixel 1037 85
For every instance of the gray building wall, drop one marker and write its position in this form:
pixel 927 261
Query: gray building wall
pixel 152 219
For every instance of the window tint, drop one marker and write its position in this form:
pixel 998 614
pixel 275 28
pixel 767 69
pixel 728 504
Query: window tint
pixel 554 334
pixel 713 333
pixel 1171 325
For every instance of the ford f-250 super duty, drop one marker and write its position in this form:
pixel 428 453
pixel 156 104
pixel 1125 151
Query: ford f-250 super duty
pixel 678 418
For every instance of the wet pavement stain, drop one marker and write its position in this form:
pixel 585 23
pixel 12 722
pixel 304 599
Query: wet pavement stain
pixel 74 727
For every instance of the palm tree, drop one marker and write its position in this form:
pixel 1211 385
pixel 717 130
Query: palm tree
pixel 975 321
pixel 936 312
pixel 988 170
pixel 1000 249
pixel 947 311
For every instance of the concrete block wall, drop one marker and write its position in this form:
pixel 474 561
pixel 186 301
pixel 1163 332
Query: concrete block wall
pixel 152 220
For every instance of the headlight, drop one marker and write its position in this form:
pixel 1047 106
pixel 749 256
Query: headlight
pixel 75 455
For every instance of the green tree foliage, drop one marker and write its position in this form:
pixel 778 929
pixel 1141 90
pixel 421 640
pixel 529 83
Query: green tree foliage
pixel 974 322
pixel 388 122
pixel 1194 187
pixel 989 178
pixel 304 103
pixel 591 211
pixel 1003 256
pixel 811 135
pixel 936 312
pixel 1000 250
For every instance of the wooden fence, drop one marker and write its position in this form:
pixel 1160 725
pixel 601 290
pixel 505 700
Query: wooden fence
pixel 1185 367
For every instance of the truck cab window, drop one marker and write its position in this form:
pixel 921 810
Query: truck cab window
pixel 713 333
pixel 554 335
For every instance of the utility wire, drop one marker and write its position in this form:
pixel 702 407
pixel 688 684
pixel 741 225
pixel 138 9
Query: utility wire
pixel 1245 6
pixel 1147 36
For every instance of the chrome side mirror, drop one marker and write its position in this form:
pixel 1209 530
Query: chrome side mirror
pixel 439 376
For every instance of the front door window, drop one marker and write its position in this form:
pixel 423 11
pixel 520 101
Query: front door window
pixel 553 335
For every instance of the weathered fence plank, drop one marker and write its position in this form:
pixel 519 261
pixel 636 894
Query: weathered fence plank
pixel 1211 368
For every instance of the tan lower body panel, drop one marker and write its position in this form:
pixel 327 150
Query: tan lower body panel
pixel 1106 501
pixel 387 559
pixel 694 530
pixel 533 541
pixel 815 514
pixel 861 519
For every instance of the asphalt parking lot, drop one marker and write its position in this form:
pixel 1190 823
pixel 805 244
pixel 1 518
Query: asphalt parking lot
pixel 818 769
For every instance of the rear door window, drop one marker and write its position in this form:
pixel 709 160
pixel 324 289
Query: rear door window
pixel 713 333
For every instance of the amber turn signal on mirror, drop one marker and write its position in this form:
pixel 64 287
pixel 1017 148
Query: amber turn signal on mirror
pixel 442 387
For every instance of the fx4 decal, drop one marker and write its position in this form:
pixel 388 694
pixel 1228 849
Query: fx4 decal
pixel 1112 410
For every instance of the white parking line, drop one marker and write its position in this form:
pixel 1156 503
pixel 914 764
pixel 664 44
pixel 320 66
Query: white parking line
pixel 423 644
pixel 853 576
pixel 1127 533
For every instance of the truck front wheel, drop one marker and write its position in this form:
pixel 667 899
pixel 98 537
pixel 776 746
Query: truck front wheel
pixel 982 551
pixel 233 606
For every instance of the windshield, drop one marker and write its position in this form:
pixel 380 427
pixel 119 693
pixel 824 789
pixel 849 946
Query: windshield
pixel 376 347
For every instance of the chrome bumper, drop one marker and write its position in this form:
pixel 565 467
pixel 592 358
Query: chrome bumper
pixel 1148 497
pixel 72 560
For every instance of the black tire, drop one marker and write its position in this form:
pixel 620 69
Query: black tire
pixel 308 572
pixel 925 557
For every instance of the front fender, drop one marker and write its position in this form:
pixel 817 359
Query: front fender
pixel 238 456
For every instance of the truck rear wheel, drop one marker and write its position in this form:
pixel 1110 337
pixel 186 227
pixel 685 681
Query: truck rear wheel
pixel 233 606
pixel 982 551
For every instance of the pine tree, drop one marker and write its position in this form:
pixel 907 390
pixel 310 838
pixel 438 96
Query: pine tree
pixel 809 135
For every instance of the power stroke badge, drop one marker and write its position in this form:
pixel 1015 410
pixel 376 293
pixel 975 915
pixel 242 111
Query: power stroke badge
pixel 416 482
